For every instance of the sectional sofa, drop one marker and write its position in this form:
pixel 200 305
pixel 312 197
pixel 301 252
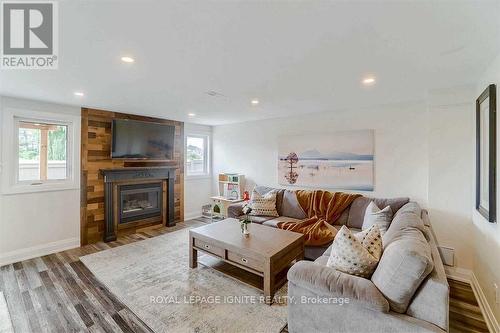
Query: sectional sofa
pixel 408 291
pixel 289 210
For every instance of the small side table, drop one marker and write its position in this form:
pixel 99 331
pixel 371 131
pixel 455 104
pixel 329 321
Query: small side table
pixel 220 205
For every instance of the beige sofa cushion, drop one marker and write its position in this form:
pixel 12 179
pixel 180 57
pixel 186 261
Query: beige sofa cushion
pixel 273 222
pixel 407 217
pixel 328 282
pixel 405 263
pixel 259 219
pixel 431 301
pixel 410 208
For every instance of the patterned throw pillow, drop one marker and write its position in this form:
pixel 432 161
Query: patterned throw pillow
pixel 356 254
pixel 264 205
pixel 371 241
pixel 375 216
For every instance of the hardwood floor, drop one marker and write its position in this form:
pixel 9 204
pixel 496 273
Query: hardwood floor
pixel 465 314
pixel 57 293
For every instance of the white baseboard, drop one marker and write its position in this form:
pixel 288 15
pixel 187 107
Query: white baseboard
pixel 489 317
pixel 458 274
pixel 467 276
pixel 39 250
pixel 191 215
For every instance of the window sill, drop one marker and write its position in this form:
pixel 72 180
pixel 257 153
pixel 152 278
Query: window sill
pixel 196 177
pixel 22 189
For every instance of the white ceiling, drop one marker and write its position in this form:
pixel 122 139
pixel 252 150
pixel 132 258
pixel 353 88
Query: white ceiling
pixel 295 57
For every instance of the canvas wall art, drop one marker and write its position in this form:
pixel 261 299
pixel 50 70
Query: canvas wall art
pixel 340 160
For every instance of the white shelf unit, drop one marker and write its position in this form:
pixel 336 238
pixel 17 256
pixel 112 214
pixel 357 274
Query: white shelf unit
pixel 231 186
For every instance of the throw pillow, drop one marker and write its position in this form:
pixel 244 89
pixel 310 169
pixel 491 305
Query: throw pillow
pixel 375 216
pixel 263 205
pixel 371 240
pixel 353 256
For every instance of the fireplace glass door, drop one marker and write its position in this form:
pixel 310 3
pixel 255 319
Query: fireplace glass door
pixel 140 201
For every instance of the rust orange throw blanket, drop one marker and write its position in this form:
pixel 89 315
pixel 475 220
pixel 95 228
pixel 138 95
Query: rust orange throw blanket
pixel 322 208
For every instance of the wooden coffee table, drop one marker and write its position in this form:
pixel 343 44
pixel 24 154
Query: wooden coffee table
pixel 267 251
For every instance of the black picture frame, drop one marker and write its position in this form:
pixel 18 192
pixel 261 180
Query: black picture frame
pixel 489 211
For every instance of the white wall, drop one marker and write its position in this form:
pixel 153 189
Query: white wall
pixel 401 152
pixel 422 150
pixel 197 190
pixel 451 142
pixel 35 224
pixel 487 235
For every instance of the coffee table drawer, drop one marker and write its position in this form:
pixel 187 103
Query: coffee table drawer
pixel 245 261
pixel 218 251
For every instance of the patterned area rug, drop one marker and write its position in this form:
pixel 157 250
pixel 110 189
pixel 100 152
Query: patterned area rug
pixel 153 279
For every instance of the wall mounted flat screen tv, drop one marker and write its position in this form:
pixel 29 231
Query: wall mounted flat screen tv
pixel 142 140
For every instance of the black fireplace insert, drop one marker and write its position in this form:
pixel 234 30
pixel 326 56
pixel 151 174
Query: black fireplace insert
pixel 139 201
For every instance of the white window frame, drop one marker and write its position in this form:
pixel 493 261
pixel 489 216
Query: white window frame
pixel 10 151
pixel 206 156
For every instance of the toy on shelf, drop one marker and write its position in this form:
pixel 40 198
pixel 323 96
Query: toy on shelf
pixel 231 185
pixel 246 196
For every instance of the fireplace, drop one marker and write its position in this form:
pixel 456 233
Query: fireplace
pixel 135 197
pixel 139 201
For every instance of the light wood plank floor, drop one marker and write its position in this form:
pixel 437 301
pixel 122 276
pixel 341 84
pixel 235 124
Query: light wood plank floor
pixel 57 293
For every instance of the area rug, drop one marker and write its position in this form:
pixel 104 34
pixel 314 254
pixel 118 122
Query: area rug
pixel 153 279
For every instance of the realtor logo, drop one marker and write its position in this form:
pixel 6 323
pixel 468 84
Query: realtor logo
pixel 29 35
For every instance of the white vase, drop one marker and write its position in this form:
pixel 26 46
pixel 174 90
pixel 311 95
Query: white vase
pixel 244 229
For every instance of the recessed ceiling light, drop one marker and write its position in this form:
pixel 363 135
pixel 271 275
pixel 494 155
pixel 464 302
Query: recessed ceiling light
pixel 191 114
pixel 254 102
pixel 368 80
pixel 78 93
pixel 128 59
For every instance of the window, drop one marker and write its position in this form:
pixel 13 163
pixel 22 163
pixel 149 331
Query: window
pixel 39 151
pixel 197 155
pixel 42 152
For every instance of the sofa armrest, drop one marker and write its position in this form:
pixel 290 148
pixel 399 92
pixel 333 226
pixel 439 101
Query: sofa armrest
pixel 236 210
pixel 326 281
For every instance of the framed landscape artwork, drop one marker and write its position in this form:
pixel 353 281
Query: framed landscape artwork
pixel 343 160
pixel 486 153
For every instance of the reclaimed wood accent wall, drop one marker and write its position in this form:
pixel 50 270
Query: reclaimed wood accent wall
pixel 96 155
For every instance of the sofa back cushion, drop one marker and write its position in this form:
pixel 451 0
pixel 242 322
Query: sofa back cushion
pixel 407 218
pixel 405 263
pixel 410 208
pixel 358 208
pixel 431 301
pixel 342 220
pixel 290 206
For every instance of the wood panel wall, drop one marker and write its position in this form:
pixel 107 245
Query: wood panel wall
pixel 96 155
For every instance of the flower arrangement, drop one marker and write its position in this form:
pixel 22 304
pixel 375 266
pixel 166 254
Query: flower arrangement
pixel 247 209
